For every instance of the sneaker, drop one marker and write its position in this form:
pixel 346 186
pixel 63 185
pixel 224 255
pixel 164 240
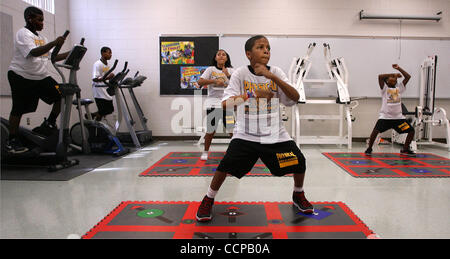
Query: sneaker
pixel 302 203
pixel 47 128
pixel 407 152
pixel 49 125
pixel 368 152
pixel 204 156
pixel 204 210
pixel 14 146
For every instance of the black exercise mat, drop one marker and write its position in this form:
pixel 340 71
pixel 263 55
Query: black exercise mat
pixel 40 173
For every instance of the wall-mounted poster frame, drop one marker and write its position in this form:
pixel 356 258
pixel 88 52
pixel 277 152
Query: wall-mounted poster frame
pixel 182 60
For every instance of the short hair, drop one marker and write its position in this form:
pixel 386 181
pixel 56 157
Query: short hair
pixel 105 49
pixel 251 42
pixel 227 63
pixel 32 12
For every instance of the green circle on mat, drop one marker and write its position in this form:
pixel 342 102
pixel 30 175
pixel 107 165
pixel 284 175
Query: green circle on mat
pixel 402 162
pixel 266 170
pixel 187 154
pixel 152 213
pixel 188 221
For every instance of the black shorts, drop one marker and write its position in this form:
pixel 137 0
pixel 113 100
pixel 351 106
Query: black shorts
pixel 401 126
pixel 105 107
pixel 281 158
pixel 26 93
pixel 213 115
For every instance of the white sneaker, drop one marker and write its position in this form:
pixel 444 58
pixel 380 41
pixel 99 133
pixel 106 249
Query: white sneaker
pixel 204 156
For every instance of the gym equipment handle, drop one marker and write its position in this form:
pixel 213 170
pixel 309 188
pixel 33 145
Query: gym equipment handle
pixel 58 48
pixel 110 71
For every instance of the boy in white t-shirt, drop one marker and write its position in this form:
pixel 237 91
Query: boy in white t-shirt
pixel 256 91
pixel 217 78
pixel 391 116
pixel 103 100
pixel 30 79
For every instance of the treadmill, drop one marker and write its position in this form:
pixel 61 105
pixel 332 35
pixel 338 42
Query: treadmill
pixel 145 135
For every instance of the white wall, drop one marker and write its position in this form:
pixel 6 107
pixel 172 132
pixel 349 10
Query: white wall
pixel 53 25
pixel 132 28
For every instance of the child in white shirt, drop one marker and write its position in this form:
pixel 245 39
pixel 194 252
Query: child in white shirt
pixel 217 78
pixel 103 100
pixel 391 116
pixel 30 79
pixel 256 91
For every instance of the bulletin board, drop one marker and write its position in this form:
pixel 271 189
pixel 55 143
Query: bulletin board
pixel 182 61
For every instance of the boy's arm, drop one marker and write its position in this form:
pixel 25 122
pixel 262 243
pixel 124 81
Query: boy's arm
pixel 206 79
pixel 232 96
pixel 62 56
pixel 97 74
pixel 404 73
pixel 288 90
pixel 216 82
pixel 39 51
pixel 234 101
pixel 384 77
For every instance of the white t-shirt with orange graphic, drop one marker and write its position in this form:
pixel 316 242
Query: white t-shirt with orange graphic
pixel 258 121
pixel 391 107
pixel 25 65
pixel 99 70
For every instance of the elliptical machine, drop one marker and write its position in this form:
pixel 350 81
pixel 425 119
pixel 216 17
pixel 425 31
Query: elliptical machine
pixel 51 150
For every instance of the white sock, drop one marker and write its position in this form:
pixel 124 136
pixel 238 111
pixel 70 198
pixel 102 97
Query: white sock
pixel 211 193
pixel 298 189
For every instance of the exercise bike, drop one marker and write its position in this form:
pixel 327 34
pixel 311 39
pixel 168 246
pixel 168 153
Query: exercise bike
pixel 51 150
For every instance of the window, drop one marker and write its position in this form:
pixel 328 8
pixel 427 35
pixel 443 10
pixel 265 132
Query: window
pixel 47 5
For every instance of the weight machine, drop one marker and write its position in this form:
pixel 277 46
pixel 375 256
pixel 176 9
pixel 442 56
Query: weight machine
pixel 339 75
pixel 426 115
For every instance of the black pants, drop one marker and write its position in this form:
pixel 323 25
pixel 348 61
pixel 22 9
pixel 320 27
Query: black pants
pixel 105 107
pixel 281 158
pixel 401 126
pixel 26 93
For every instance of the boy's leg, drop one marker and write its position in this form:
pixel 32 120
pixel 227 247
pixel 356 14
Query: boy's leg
pixel 238 161
pixel 14 123
pixel 211 126
pixel 23 101
pixel 409 139
pixel 204 212
pixel 105 107
pixel 286 158
pixel 298 196
pixel 208 141
pixel 298 182
pixel 372 139
pixel 402 128
pixel 13 144
pixel 217 181
pixel 52 96
pixel 381 126
pixel 56 110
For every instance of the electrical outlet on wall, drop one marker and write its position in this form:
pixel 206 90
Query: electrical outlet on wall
pixel 28 121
